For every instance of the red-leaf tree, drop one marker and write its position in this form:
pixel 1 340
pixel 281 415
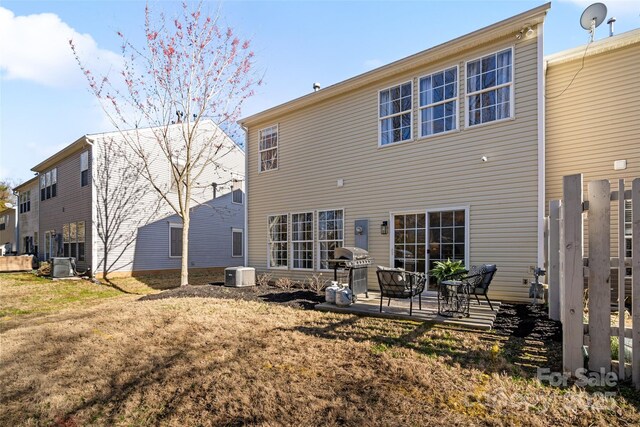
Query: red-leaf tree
pixel 189 71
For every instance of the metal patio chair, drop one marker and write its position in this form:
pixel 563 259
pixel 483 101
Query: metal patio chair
pixel 479 279
pixel 395 283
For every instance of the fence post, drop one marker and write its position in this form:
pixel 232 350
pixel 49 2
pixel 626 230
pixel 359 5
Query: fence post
pixel 572 274
pixel 635 287
pixel 599 217
pixel 553 269
pixel 621 290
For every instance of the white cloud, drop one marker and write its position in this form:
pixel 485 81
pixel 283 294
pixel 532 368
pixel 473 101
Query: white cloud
pixel 617 8
pixel 36 48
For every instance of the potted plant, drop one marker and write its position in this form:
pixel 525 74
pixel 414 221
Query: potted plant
pixel 446 269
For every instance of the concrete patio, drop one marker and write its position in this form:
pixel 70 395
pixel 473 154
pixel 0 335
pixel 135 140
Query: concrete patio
pixel 480 315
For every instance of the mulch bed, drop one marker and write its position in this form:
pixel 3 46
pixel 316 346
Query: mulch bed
pixel 298 298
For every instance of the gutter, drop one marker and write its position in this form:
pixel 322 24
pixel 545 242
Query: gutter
pixel 94 213
pixel 245 234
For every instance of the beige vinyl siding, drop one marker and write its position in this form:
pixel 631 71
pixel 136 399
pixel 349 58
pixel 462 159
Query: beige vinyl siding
pixel 338 138
pixel 595 122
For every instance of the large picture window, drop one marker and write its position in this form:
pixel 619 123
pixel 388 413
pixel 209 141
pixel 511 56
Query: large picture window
pixel 490 88
pixel 268 148
pixel 395 108
pixel 330 235
pixel 278 241
pixel 438 105
pixel 302 240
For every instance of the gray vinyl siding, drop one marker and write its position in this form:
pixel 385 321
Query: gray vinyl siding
pixel 71 204
pixel 209 238
pixel 28 221
pixel 150 249
pixel 338 138
pixel 595 122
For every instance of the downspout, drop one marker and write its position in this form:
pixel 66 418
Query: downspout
pixel 94 214
pixel 245 234
pixel 541 144
pixel 16 224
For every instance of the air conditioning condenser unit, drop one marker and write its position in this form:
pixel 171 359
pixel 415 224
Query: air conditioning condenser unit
pixel 239 276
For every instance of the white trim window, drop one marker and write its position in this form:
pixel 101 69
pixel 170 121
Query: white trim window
pixel 25 202
pixel 236 242
pixel 409 242
pixel 438 102
pixel 268 149
pixel 330 235
pixel 278 241
pixel 175 240
pixel 84 169
pixel 4 219
pixel 49 184
pixel 490 88
pixel 302 240
pixel 395 113
pixel 236 197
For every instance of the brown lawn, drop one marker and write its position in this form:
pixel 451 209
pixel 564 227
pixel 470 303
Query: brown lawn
pixel 83 354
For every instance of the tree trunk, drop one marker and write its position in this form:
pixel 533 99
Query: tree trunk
pixel 104 261
pixel 184 268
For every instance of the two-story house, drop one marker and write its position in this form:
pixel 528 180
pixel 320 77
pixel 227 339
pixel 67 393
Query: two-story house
pixel 75 204
pixel 8 230
pixel 28 196
pixel 439 155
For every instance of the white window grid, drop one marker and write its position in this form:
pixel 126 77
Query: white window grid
pixel 438 104
pixel 268 149
pixel 489 88
pixel 395 114
pixel 237 245
pixel 409 241
pixel 25 202
pixel 330 235
pixel 302 241
pixel 278 241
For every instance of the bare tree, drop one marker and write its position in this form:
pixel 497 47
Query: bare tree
pixel 123 203
pixel 191 70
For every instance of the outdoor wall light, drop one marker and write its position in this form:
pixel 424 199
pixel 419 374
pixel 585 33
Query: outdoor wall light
pixel 384 227
pixel 484 158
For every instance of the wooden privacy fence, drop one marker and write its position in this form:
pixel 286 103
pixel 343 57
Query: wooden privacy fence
pixel 567 271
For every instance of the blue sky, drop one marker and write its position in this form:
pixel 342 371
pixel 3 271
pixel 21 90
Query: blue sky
pixel 45 105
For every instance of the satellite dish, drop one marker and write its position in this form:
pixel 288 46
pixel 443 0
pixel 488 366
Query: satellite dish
pixel 592 17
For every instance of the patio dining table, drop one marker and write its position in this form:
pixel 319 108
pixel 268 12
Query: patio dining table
pixel 453 298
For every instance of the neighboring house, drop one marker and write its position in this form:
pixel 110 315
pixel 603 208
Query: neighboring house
pixel 8 230
pixel 69 188
pixel 28 207
pixel 441 152
pixel 593 121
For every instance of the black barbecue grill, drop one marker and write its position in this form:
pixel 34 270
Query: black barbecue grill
pixel 355 262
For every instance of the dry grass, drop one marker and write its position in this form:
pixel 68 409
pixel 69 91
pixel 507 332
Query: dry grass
pixel 113 360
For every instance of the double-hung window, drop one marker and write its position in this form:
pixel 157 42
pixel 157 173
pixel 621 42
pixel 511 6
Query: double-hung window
pixel 395 111
pixel 25 202
pixel 3 222
pixel 268 150
pixel 84 168
pixel 330 235
pixel 49 184
pixel 73 239
pixel 438 105
pixel 490 88
pixel 278 241
pixel 302 240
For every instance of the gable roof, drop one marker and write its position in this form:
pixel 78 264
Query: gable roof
pixel 508 26
pixel 25 184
